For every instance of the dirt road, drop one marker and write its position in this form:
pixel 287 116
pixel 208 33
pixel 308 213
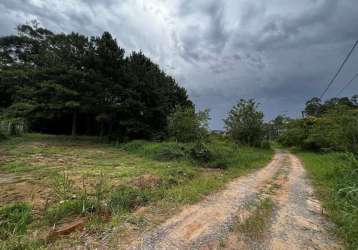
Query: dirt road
pixel 296 221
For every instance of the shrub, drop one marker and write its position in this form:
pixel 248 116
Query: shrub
pixel 161 151
pixel 245 123
pixel 335 129
pixel 218 163
pixel 265 144
pixel 14 219
pixel 185 125
pixel 200 153
pixel 170 153
pixel 292 137
pixel 127 198
pixel 133 145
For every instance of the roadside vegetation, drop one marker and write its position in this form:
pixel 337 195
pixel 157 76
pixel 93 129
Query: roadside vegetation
pixel 335 178
pixel 328 126
pixel 326 139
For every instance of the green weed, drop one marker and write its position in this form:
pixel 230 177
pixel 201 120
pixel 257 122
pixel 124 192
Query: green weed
pixel 125 199
pixel 14 219
pixel 62 186
pixel 256 225
pixel 67 208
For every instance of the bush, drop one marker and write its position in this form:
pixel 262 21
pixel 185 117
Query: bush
pixel 133 145
pixel 200 153
pixel 127 198
pixel 185 125
pixel 14 219
pixel 170 154
pixel 333 130
pixel 292 137
pixel 218 163
pixel 161 151
pixel 265 144
pixel 245 123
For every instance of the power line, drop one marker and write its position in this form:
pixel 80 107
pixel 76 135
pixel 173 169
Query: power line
pixel 348 83
pixel 339 70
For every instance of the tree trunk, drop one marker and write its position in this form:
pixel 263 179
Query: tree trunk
pixel 74 123
pixel 88 124
pixel 102 129
pixel 110 127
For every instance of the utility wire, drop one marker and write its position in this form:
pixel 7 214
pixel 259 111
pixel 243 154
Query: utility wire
pixel 339 70
pixel 347 84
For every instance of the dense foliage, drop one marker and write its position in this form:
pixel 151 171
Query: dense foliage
pixel 186 125
pixel 245 123
pixel 71 83
pixel 332 125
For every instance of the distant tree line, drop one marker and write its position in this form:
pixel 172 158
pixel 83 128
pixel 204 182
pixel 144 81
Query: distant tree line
pixel 329 125
pixel 74 84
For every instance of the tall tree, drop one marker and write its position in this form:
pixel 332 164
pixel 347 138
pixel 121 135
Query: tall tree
pixel 69 83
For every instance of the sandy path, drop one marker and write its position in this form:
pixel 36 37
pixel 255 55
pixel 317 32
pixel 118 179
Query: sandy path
pixel 206 220
pixel 297 222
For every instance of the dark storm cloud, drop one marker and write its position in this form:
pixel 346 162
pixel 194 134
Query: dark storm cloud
pixel 279 52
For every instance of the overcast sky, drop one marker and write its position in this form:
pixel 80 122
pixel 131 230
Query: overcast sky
pixel 280 52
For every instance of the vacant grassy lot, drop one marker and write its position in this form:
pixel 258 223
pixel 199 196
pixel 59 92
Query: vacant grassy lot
pixel 113 192
pixel 335 176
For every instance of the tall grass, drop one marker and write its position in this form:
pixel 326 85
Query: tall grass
pixel 14 219
pixel 223 153
pixel 335 176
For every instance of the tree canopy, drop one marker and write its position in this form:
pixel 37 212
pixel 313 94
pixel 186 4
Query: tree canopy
pixel 71 83
pixel 329 125
pixel 245 123
pixel 186 125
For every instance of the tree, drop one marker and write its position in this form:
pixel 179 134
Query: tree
pixel 334 129
pixel 313 107
pixel 185 125
pixel 70 83
pixel 245 123
pixel 276 127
